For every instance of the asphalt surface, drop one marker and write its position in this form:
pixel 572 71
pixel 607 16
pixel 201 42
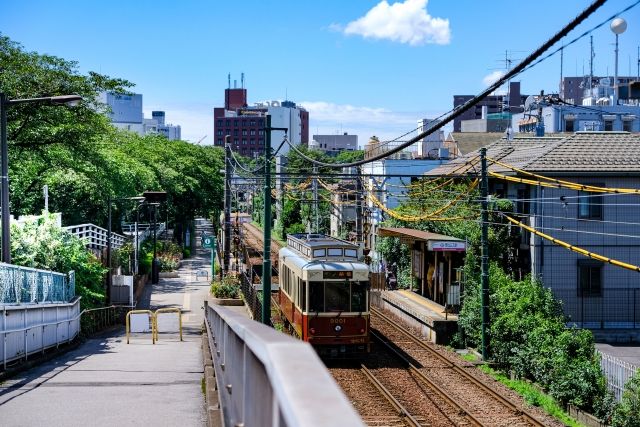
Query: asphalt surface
pixel 106 381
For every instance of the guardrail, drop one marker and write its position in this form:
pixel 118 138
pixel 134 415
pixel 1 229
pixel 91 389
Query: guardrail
pixel 267 378
pixel 29 329
pixel 20 285
pixel 94 236
pixel 93 320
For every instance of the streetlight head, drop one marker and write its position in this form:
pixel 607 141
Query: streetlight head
pixel 618 26
pixel 137 198
pixel 68 100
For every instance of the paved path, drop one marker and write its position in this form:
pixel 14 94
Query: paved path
pixel 107 382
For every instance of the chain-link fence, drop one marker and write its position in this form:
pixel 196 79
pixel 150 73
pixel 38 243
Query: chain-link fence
pixel 252 297
pixel 23 285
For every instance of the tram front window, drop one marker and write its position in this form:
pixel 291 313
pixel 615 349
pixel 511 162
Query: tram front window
pixel 316 296
pixel 359 296
pixel 337 296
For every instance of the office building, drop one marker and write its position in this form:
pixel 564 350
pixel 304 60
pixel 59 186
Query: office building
pixel 493 104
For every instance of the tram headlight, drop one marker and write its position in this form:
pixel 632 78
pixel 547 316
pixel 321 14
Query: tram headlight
pixel 337 328
pixel 362 330
pixel 312 331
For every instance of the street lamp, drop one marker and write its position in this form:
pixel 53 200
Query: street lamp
pixel 154 198
pixel 109 273
pixel 5 102
pixel 618 26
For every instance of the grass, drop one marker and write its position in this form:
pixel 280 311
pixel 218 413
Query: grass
pixel 532 395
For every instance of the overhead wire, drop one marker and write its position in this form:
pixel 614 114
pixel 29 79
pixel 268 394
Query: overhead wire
pixel 473 101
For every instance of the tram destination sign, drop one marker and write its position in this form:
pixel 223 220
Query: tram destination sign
pixel 337 274
pixel 447 246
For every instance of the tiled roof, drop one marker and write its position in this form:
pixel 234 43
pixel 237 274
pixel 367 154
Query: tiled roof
pixel 579 152
pixel 592 152
pixel 469 142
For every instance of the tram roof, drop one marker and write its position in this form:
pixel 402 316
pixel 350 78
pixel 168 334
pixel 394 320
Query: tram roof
pixel 302 262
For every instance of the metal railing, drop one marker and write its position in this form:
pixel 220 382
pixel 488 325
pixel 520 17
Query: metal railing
pixel 29 329
pixel 410 152
pixel 613 308
pixel 20 285
pixel 95 237
pixel 252 297
pixel 98 319
pixel 617 372
pixel 266 378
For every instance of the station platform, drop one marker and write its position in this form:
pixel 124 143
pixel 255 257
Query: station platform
pixel 430 318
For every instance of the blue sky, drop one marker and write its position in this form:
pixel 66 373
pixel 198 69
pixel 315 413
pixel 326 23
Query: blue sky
pixel 359 66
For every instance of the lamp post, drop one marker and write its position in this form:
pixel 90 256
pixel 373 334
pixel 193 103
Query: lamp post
pixel 618 26
pixel 5 102
pixel 109 273
pixel 154 198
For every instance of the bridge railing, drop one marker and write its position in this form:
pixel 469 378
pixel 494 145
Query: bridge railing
pixel 20 285
pixel 266 378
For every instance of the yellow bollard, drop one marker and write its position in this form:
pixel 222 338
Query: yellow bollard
pixel 169 310
pixel 153 323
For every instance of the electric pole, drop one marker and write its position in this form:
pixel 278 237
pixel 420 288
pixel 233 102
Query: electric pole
pixel 315 199
pixel 359 216
pixel 484 275
pixel 227 203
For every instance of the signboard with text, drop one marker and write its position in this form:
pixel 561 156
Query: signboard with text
pixel 207 242
pixel 447 246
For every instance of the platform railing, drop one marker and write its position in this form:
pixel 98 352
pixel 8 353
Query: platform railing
pixel 20 285
pixel 266 378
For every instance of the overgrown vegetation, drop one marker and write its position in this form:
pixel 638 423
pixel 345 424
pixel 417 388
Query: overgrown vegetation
pixel 42 244
pixel 228 287
pixel 627 414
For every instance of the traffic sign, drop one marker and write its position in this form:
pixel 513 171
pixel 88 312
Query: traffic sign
pixel 208 242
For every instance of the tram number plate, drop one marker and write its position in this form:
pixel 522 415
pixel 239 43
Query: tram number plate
pixel 339 320
pixel 337 274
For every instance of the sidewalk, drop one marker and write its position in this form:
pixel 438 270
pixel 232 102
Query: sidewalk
pixel 107 382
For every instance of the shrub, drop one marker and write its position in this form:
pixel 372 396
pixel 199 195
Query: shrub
pixel 628 412
pixel 229 287
pixel 168 262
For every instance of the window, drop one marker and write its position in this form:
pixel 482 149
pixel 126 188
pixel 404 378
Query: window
pixel 244 142
pixel 260 132
pixel 244 132
pixel 252 141
pixel 252 123
pixel 244 123
pixel 219 141
pixel 318 252
pixel 228 122
pixel 235 123
pixel 608 125
pixel 235 132
pixel 590 204
pixel 334 252
pixel 253 132
pixel 589 278
pixel 627 125
pixel 219 132
pixel 352 253
pixel 316 296
pixel 359 296
pixel 337 296
pixel 568 126
pixel 219 122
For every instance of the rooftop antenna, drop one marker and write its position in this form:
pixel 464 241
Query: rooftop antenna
pixel 561 65
pixel 235 84
pixel 286 94
pixel 229 80
pixel 242 80
pixel 591 56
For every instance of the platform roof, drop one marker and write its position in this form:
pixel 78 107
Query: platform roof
pixel 410 234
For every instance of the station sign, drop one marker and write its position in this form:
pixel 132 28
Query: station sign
pixel 447 246
pixel 207 242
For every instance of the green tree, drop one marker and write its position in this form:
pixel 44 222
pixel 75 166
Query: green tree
pixel 628 412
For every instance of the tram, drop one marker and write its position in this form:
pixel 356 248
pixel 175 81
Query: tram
pixel 324 294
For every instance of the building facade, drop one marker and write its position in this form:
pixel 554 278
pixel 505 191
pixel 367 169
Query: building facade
pixel 245 125
pixel 334 144
pixel 493 104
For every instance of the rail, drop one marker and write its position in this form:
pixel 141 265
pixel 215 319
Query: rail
pixel 19 285
pixel 267 378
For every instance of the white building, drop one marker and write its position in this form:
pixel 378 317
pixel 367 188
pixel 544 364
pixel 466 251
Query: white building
pixel 428 146
pixel 333 144
pixel 126 113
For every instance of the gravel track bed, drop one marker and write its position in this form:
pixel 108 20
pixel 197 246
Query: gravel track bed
pixel 374 409
pixel 485 407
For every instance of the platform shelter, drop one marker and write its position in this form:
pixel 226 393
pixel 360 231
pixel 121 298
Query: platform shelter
pixel 436 263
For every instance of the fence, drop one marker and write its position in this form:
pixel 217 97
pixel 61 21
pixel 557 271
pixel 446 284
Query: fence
pixel 252 297
pixel 372 150
pixel 97 319
pixel 19 285
pixel 266 378
pixel 94 236
pixel 29 329
pixel 614 308
pixel 617 372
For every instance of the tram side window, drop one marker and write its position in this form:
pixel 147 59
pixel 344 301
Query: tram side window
pixel 316 296
pixel 304 294
pixel 359 296
pixel 337 296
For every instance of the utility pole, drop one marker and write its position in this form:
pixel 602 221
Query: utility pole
pixel 266 251
pixel 315 198
pixel 359 216
pixel 484 242
pixel 108 292
pixel 227 203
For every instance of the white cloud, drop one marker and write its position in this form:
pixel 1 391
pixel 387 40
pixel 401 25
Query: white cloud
pixel 404 22
pixel 493 77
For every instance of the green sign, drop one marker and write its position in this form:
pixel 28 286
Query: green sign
pixel 208 242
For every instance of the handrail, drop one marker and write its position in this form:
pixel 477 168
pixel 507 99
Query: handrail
pixel 265 377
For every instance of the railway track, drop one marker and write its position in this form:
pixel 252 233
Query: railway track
pixel 253 233
pixel 449 378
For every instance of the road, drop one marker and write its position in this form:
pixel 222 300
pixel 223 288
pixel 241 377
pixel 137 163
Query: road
pixel 108 382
